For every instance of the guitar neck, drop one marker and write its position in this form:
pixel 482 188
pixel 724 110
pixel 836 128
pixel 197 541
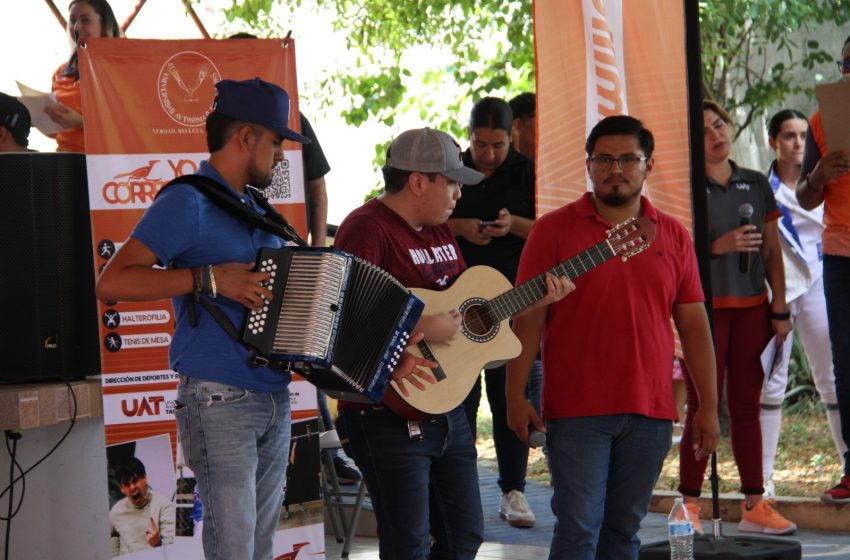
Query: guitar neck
pixel 523 296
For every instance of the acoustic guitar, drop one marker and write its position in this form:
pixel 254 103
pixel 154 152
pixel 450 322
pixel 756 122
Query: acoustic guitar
pixel 486 301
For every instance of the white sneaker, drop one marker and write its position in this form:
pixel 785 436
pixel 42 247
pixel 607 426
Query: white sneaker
pixel 516 510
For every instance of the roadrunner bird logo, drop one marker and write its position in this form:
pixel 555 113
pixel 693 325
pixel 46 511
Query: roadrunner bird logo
pixel 140 173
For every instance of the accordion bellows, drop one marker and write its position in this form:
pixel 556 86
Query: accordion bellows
pixel 340 321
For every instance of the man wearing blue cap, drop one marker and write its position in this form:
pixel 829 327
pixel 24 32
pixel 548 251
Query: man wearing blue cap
pixel 233 417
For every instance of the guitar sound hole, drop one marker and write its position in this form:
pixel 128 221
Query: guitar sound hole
pixel 477 320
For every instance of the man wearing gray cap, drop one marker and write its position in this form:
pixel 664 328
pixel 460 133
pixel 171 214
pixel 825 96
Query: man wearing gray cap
pixel 233 417
pixel 422 477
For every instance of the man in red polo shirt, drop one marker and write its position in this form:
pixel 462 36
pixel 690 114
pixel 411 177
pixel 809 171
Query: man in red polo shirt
pixel 607 388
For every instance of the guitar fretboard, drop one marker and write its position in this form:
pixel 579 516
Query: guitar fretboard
pixel 526 295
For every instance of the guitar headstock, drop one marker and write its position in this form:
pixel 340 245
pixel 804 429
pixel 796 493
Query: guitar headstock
pixel 631 237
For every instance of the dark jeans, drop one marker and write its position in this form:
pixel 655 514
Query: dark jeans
pixel 603 471
pixel 418 486
pixel 836 286
pixel 511 453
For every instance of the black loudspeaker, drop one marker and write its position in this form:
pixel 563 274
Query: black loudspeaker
pixel 48 308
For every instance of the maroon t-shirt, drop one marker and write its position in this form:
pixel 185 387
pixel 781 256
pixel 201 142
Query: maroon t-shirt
pixel 428 258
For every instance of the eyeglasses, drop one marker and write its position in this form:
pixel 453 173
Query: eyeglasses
pixel 626 163
pixel 843 66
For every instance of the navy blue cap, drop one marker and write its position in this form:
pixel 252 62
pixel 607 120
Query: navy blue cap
pixel 258 102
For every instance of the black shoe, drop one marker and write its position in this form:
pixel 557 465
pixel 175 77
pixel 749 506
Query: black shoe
pixel 345 473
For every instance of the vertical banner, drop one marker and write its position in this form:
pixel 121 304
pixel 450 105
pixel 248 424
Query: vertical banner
pixel 146 103
pixel 597 58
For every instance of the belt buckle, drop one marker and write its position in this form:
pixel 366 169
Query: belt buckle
pixel 259 361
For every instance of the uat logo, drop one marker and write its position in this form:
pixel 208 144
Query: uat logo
pixel 144 406
pixel 186 87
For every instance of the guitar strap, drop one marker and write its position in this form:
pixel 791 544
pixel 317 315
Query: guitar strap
pixel 272 221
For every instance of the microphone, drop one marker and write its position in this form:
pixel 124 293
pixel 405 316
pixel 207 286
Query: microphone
pixel 745 211
pixel 536 438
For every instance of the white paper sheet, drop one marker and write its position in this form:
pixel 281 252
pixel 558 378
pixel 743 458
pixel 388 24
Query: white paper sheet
pixel 771 357
pixel 36 101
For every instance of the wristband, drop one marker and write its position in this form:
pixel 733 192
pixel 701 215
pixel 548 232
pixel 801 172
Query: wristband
pixel 785 316
pixel 213 292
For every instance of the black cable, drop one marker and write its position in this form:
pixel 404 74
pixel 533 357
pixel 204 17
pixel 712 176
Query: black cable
pixel 13 436
pixel 11 495
pixel 58 443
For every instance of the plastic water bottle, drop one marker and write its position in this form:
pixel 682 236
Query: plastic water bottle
pixel 680 531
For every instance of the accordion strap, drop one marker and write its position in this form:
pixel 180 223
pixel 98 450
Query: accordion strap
pixel 257 358
pixel 272 222
pixel 222 196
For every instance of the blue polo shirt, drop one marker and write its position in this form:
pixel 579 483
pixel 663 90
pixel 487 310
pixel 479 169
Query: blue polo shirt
pixel 184 229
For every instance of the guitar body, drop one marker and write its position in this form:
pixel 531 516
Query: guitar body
pixel 472 350
pixel 486 301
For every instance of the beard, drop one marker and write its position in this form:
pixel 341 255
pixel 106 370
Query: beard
pixel 262 180
pixel 615 198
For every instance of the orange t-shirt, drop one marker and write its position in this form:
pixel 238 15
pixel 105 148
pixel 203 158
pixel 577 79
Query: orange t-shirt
pixel 836 198
pixel 67 92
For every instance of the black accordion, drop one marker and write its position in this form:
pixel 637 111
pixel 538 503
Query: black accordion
pixel 340 321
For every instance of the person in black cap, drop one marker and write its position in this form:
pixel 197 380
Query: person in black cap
pixel 15 125
pixel 233 417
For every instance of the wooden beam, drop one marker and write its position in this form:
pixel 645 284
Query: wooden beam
pixel 59 17
pixel 132 16
pixel 196 19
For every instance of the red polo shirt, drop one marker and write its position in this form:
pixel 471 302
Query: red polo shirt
pixel 608 346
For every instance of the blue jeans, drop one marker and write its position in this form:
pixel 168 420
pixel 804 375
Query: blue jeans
pixel 236 441
pixel 511 453
pixel 603 471
pixel 418 486
pixel 836 287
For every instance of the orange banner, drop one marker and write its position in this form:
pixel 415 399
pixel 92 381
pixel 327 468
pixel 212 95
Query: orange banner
pixel 146 104
pixel 597 58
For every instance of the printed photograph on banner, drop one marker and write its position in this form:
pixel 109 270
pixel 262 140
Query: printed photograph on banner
pixel 302 497
pixel 142 490
pixel 190 512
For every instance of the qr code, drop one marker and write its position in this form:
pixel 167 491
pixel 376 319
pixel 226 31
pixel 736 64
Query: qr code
pixel 281 187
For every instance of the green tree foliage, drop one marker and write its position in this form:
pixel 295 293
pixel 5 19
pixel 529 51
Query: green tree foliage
pixel 488 48
pixel 749 62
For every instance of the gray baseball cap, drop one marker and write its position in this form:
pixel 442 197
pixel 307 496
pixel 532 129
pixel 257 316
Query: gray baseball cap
pixel 430 151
